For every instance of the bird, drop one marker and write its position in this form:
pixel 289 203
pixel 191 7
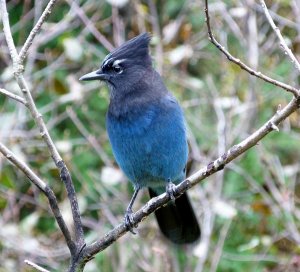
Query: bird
pixel 147 131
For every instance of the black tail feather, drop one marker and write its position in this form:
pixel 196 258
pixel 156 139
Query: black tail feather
pixel 178 221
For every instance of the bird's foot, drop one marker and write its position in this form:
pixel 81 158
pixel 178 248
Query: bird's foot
pixel 129 221
pixel 171 190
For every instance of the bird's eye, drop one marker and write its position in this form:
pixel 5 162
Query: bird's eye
pixel 118 69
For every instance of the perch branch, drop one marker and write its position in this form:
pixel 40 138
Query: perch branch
pixel 213 167
pixel 216 165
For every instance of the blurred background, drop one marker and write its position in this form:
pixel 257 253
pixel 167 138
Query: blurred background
pixel 249 212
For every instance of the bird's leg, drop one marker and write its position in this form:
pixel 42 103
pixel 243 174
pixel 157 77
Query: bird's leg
pixel 128 215
pixel 171 190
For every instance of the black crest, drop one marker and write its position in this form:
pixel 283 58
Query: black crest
pixel 135 50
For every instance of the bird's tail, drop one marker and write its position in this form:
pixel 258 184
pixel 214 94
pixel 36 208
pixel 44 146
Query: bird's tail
pixel 177 221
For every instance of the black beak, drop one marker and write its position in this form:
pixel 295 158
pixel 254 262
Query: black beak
pixel 96 75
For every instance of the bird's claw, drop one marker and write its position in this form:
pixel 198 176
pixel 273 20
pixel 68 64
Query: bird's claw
pixel 129 221
pixel 171 190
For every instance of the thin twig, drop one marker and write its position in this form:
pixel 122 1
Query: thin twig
pixel 242 65
pixel 14 96
pixel 6 29
pixel 66 178
pixel 283 44
pixel 35 30
pixel 219 247
pixel 37 267
pixel 38 118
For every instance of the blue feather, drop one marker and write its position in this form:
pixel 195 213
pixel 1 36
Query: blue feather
pixel 150 145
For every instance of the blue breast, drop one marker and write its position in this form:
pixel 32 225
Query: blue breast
pixel 150 143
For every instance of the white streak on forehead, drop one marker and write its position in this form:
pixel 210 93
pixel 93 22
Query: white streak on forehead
pixel 117 62
pixel 106 61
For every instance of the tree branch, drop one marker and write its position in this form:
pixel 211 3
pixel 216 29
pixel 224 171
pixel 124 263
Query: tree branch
pixel 242 65
pixel 14 96
pixel 35 266
pixel 35 30
pixel 6 29
pixel 66 178
pixel 283 44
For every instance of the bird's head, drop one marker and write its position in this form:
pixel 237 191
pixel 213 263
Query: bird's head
pixel 126 65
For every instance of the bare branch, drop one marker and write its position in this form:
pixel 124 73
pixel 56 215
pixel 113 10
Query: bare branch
pixel 38 118
pixel 14 96
pixel 218 249
pixel 283 44
pixel 35 30
pixel 66 178
pixel 6 29
pixel 243 66
pixel 37 267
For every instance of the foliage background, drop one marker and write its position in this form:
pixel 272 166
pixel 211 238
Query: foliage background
pixel 249 212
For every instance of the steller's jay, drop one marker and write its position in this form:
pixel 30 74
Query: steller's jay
pixel 146 128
